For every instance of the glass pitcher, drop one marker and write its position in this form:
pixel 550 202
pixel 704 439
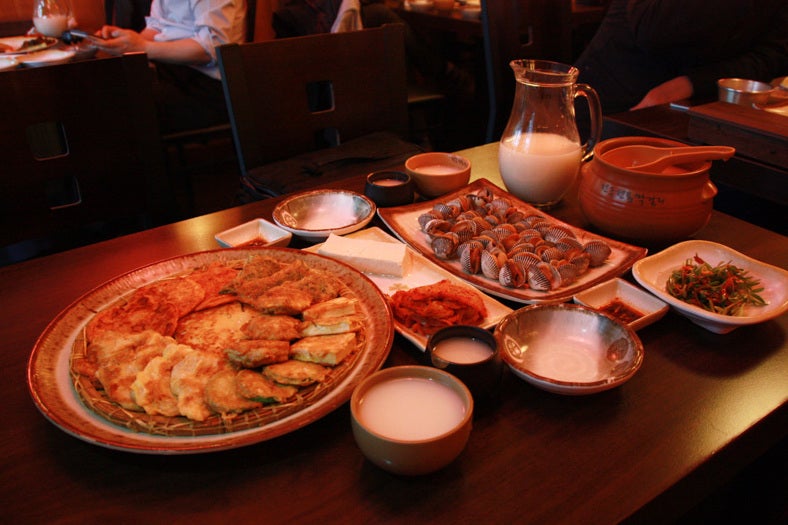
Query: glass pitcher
pixel 540 151
pixel 51 17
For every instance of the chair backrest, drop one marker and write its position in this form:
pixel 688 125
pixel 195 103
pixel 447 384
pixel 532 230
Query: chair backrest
pixel 512 29
pixel 79 144
pixel 296 95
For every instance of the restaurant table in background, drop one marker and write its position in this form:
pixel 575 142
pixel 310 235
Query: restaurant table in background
pixel 702 407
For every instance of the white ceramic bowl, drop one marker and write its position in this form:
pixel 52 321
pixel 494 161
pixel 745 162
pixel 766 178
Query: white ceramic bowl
pixel 383 415
pixel 568 348
pixel 652 273
pixel 612 295
pixel 258 232
pixel 314 215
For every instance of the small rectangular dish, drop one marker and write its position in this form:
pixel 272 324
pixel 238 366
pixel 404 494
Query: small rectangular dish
pixel 258 232
pixel 624 301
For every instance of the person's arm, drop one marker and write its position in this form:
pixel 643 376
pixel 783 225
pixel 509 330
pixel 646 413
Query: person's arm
pixel 184 51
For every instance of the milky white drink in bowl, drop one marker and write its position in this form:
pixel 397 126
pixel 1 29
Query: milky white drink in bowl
pixel 464 350
pixel 411 420
pixel 53 26
pixel 539 168
pixel 411 409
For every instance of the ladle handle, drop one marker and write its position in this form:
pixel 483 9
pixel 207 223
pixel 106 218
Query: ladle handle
pixel 595 110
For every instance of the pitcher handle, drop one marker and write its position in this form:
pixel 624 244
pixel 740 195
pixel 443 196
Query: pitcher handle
pixel 595 110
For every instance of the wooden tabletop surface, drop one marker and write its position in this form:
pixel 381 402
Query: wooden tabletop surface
pixel 701 407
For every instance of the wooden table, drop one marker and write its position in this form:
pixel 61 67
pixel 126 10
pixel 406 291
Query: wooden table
pixel 701 407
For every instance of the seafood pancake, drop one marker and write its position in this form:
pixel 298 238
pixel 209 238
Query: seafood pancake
pixel 216 328
pixel 151 389
pixel 120 357
pixel 249 285
pixel 275 327
pixel 259 352
pixel 189 379
pixel 221 394
pixel 144 310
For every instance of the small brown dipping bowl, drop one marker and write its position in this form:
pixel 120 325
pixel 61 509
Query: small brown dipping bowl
pixel 389 188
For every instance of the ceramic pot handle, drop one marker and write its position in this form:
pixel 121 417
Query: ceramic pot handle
pixel 595 111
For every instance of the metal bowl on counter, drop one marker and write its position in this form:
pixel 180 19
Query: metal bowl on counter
pixel 744 92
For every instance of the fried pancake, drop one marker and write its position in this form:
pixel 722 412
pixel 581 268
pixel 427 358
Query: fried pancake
pixel 216 328
pixel 281 300
pixel 324 349
pixel 143 310
pixel 296 373
pixel 249 285
pixel 274 327
pixel 213 279
pixel 253 385
pixel 259 352
pixel 221 394
pixel 151 389
pixel 120 357
pixel 183 292
pixel 336 307
pixel 330 325
pixel 189 379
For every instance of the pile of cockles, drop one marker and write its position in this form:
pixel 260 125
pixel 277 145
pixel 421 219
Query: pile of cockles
pixel 519 248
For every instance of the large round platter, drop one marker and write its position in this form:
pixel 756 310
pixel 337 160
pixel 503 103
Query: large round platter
pixel 53 392
pixel 403 221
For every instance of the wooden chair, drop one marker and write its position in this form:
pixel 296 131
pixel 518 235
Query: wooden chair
pixel 512 29
pixel 325 96
pixel 81 153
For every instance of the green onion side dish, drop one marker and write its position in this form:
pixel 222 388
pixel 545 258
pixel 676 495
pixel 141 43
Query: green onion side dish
pixel 723 289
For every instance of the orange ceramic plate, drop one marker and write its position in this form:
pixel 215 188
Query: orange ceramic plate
pixel 51 385
pixel 403 221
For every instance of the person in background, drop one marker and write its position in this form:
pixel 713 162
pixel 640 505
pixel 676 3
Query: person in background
pixel 650 52
pixel 180 38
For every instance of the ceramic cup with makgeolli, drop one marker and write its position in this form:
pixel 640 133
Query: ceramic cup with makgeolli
pixel 540 152
pixel 471 354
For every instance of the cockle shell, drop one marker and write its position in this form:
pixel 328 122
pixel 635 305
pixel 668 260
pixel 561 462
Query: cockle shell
pixel 568 272
pixel 544 277
pixel 470 258
pixel 598 250
pixel 447 211
pixel 465 230
pixel 426 217
pixel 512 275
pixel 437 227
pixel 557 232
pixel 491 262
pixel 445 246
pixel 527 259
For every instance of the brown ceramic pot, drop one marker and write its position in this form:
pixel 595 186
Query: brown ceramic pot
pixel 653 209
